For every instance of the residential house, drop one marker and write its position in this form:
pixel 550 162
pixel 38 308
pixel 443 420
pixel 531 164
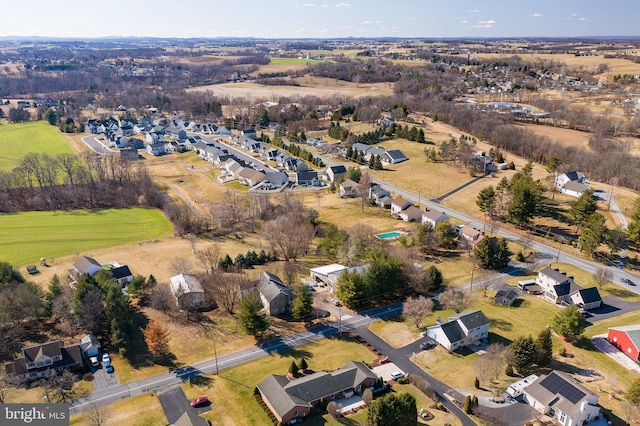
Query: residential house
pixel 129 154
pixel 573 176
pixel 411 214
pixel 562 398
pixel 307 178
pixel 575 189
pixel 398 204
pixel 560 289
pixel 188 292
pixel 292 400
pixel 296 165
pixel 505 297
pixel 249 133
pixel 434 217
pixel 626 339
pixel 380 196
pixel 328 275
pixel 273 180
pixel 275 295
pixel 459 331
pixel 122 274
pixel 90 346
pixel 392 156
pixel 86 265
pixel 469 237
pixel 156 149
pixel 127 130
pixel 348 189
pixel 250 176
pixel 43 361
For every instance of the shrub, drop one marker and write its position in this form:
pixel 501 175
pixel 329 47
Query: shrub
pixel 467 405
pixel 403 380
pixel 520 256
pixel 87 377
pixel 474 401
pixel 476 383
pixel 562 352
pixel 509 371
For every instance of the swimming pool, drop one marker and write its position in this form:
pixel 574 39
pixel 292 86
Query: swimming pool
pixel 391 235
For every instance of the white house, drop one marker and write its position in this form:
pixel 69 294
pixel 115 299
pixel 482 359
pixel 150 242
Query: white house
pixel 411 214
pixel 187 291
pixel 575 189
pixel 398 204
pixel 573 176
pixel 434 217
pixel 562 398
pixel 348 189
pixel 462 330
pixel 560 289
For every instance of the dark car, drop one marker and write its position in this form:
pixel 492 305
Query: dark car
pixel 108 367
pixel 198 402
pixel 627 281
pixel 427 344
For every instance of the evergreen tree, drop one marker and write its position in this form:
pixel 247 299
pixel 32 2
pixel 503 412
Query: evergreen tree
pixel 303 364
pixel 393 409
pixel 525 354
pixel 377 163
pixel 492 253
pixel 436 276
pixel 55 289
pixel 302 304
pixel 486 200
pixel 251 320
pixel 372 161
pixel 633 230
pixel 569 322
pixel 582 208
pixel 467 405
pixel 545 347
pixel 593 233
pixel 293 368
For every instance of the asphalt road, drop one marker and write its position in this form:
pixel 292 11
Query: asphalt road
pixel 96 146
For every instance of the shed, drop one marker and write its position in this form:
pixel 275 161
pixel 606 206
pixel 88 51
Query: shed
pixel 505 297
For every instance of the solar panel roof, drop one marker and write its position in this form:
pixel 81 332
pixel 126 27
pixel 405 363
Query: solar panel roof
pixel 557 385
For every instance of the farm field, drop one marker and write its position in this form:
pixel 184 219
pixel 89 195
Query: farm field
pixel 29 236
pixel 17 140
pixel 142 409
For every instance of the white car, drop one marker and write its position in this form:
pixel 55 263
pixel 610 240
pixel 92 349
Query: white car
pixel 105 357
pixel 397 375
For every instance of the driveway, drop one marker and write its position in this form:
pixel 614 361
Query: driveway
pixel 102 379
pixel 611 307
pixel 175 403
pixel 601 343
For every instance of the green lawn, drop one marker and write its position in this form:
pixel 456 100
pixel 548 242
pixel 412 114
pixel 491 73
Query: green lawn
pixel 288 61
pixel 19 139
pixel 27 237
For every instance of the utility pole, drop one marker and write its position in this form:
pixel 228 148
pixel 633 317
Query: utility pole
pixel 419 196
pixel 340 320
pixel 215 352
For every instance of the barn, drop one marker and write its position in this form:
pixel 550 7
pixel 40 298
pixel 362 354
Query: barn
pixel 627 339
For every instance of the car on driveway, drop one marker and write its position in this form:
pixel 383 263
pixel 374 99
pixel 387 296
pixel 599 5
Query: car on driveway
pixel 627 281
pixel 108 367
pixel 105 358
pixel 397 375
pixel 198 402
pixel 336 302
pixel 427 344
pixel 94 361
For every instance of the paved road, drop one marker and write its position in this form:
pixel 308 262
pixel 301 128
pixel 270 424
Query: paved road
pixel 96 146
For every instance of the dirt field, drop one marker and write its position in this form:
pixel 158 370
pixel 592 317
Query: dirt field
pixel 308 86
pixel 564 136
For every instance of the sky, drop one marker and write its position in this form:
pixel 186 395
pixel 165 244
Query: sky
pixel 321 19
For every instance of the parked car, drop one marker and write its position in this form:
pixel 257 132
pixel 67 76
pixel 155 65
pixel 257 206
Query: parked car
pixel 397 375
pixel 105 357
pixel 94 361
pixel 336 302
pixel 427 344
pixel 198 402
pixel 627 281
pixel 108 367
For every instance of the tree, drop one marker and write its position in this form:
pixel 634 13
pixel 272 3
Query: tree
pixel 333 409
pixel 157 338
pixel 293 368
pixel 367 397
pixel 393 409
pixel 4 388
pixel 486 200
pixel 446 234
pixel 545 347
pixel 97 415
pixel 352 290
pixel 467 405
pixel 593 233
pixel 616 239
pixel 481 368
pixel 582 208
pixel 495 358
pixel 552 166
pixel 426 239
pixel 492 253
pixel 633 393
pixel 524 354
pixel 91 311
pixel 363 189
pixel 303 364
pixel 417 309
pixel 251 320
pixel 180 265
pixel 456 299
pixel 436 276
pixel 289 235
pixel 302 304
pixel 162 299
pixel 569 322
pixel 209 258
pixel 354 173
pixel 602 276
pixel 633 230
pixel 526 196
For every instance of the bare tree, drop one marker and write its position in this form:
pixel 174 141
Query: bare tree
pixel 628 411
pixel 485 282
pixel 5 387
pixel 456 299
pixel 62 386
pixel 180 265
pixel 333 408
pixel 367 396
pixel 162 299
pixel 363 189
pixel 602 276
pixel 97 415
pixel 209 258
pixel 92 310
pixel 416 310
pixel 496 354
pixel 289 235
pixel 481 365
pixel 227 288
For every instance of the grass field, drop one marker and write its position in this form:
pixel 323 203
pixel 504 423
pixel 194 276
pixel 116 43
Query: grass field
pixel 27 237
pixel 19 139
pixel 142 409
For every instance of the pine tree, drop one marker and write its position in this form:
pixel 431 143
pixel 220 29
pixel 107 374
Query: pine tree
pixel 377 164
pixel 251 320
pixel 467 405
pixel 302 304
pixel 303 364
pixel 545 347
pixel 372 161
pixel 293 368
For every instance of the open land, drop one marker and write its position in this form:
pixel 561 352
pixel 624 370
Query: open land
pixel 16 140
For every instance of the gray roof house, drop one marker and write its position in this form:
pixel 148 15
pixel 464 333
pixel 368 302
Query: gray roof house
pixel 45 360
pixel 87 265
pixel 275 180
pixel 558 288
pixel 348 189
pixel 275 295
pixel 292 400
pixel 461 330
pixel 393 156
pixel 505 297
pixel 562 398
pixel 434 217
pixel 187 291
pixel 335 172
pixel 307 178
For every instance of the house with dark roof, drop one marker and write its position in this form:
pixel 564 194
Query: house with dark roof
pixel 292 400
pixel 560 289
pixel 249 133
pixel 459 331
pixel 335 172
pixel 626 339
pixel 307 178
pixel 573 176
pixel 392 156
pixel 562 398
pixel 434 217
pixel 505 297
pixel 122 274
pixel 41 361
pixel 273 180
pixel 275 295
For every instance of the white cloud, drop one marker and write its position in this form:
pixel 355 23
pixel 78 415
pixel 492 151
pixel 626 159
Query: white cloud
pixel 341 5
pixel 465 21
pixel 473 11
pixel 309 5
pixel 370 22
pixel 583 19
pixel 324 5
pixel 535 15
pixel 485 24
